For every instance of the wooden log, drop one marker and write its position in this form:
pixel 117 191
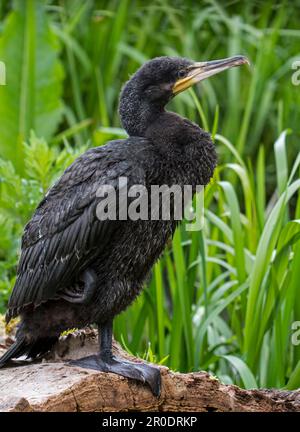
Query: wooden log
pixel 52 385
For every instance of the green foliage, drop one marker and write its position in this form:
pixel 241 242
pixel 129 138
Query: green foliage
pixel 31 98
pixel 104 42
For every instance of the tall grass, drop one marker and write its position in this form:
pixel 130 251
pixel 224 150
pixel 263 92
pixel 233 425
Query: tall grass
pixel 221 299
pixel 100 43
pixel 119 39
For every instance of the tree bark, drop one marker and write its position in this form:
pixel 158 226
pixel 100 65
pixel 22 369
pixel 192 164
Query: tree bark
pixel 52 385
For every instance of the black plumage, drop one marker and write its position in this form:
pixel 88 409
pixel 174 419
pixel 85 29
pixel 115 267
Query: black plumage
pixel 67 250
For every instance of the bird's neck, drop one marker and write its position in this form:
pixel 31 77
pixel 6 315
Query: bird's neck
pixel 180 142
pixel 184 146
pixel 136 112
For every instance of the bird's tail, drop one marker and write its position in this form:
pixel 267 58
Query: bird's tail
pixel 31 349
pixel 16 350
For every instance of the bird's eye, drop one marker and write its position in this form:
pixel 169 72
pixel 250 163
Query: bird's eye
pixel 181 73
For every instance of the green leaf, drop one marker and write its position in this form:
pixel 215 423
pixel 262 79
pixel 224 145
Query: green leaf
pixel 243 370
pixel 294 381
pixel 238 236
pixel 31 97
pixel 39 160
pixel 289 235
pixel 281 162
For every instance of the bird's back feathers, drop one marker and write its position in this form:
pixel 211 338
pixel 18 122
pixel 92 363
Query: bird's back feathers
pixel 64 234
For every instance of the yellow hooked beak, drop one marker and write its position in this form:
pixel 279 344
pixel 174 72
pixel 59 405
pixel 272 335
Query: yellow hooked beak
pixel 199 71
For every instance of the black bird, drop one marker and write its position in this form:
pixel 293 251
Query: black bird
pixel 77 269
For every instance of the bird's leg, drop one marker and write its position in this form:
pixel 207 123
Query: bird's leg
pixel 89 278
pixel 105 361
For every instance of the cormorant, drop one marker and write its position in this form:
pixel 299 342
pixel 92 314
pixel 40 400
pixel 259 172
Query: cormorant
pixel 75 269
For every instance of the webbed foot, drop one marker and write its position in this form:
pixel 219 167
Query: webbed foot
pixel 140 371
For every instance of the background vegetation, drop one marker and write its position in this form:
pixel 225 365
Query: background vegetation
pixel 223 299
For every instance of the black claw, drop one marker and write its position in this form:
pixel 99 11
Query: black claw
pixel 139 371
pixel 155 383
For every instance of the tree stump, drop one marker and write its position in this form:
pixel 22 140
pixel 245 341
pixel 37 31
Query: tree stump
pixel 52 385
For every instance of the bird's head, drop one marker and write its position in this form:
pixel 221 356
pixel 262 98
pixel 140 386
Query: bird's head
pixel 158 81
